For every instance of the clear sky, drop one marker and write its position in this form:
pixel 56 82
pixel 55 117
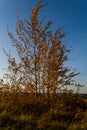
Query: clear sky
pixel 71 14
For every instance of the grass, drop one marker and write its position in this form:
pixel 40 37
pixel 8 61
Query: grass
pixel 80 125
pixel 20 111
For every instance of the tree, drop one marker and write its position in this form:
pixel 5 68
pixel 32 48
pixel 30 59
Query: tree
pixel 42 55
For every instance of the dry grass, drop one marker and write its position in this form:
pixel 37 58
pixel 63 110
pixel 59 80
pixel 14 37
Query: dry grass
pixel 20 112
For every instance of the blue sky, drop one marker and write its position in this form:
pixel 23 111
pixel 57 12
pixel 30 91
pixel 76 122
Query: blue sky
pixel 71 14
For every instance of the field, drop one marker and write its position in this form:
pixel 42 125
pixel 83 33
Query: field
pixel 21 111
